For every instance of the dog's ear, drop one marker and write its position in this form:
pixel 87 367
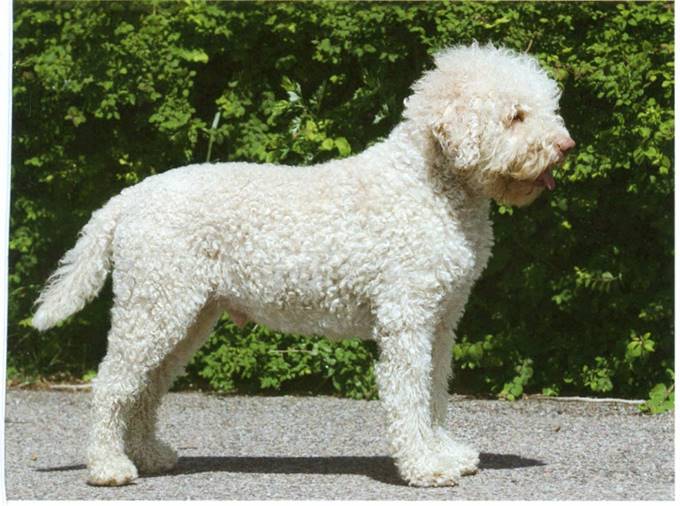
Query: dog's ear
pixel 458 134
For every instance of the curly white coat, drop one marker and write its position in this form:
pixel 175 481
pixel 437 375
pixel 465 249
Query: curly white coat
pixel 384 245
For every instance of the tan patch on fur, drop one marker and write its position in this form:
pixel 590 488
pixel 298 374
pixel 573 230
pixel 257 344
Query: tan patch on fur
pixel 238 318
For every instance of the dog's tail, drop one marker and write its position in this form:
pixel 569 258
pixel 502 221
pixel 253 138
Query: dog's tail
pixel 82 271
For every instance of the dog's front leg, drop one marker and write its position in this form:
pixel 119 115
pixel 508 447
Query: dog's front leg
pixel 441 374
pixel 404 376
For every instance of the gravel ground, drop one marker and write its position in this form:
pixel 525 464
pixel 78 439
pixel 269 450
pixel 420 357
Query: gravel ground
pixel 327 448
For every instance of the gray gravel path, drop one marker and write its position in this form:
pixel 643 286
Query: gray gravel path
pixel 327 448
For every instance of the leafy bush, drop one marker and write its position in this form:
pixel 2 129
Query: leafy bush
pixel 257 359
pixel 578 296
pixel 661 397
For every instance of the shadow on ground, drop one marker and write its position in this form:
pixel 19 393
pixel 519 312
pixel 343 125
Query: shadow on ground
pixel 378 468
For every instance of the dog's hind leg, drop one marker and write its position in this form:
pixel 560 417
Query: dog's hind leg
pixel 144 332
pixel 150 454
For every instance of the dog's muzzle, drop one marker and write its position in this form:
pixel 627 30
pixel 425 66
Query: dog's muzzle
pixel 546 179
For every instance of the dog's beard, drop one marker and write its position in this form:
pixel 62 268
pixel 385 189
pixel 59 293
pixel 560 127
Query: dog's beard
pixel 526 178
pixel 514 192
pixel 508 189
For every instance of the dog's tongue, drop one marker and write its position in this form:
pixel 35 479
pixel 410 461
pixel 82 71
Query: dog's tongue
pixel 546 179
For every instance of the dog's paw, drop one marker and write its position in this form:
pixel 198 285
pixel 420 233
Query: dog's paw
pixel 111 471
pixel 154 457
pixel 440 464
pixel 430 470
pixel 466 457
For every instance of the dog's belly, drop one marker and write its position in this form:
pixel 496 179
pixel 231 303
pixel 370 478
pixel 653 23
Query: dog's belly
pixel 348 321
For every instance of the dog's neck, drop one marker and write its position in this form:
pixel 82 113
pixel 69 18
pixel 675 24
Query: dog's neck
pixel 422 155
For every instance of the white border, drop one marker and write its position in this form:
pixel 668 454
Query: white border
pixel 5 161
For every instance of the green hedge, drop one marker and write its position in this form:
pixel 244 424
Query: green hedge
pixel 578 296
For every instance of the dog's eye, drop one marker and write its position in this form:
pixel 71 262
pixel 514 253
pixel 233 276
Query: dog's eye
pixel 518 117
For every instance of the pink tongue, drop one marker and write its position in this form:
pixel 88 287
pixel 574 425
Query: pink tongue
pixel 547 180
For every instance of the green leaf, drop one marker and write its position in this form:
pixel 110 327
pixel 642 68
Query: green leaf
pixel 192 55
pixel 343 146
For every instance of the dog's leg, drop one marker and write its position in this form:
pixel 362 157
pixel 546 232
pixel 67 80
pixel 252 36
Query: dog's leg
pixel 150 454
pixel 441 374
pixel 115 390
pixel 142 335
pixel 404 376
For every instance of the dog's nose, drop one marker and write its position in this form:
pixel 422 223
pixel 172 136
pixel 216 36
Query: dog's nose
pixel 566 144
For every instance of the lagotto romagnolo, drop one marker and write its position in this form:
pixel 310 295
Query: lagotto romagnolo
pixel 383 245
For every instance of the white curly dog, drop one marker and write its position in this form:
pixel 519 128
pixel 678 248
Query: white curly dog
pixel 383 245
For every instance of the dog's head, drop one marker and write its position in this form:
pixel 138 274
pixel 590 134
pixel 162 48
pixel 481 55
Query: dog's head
pixel 493 116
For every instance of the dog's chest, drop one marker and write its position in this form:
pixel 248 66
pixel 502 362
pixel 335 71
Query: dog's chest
pixel 461 242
